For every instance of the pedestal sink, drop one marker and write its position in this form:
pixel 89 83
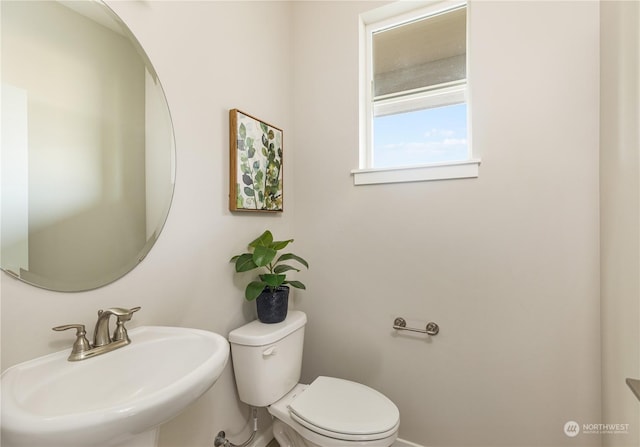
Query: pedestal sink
pixel 116 399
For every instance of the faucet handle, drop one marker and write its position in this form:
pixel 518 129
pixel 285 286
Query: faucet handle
pixel 81 344
pixel 121 312
pixel 120 332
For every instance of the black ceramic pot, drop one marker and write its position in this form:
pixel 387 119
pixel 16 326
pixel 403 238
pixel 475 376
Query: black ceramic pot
pixel 272 306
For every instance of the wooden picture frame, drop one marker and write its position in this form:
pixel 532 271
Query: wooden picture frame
pixel 255 164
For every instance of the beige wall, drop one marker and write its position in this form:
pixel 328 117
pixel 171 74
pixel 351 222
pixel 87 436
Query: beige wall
pixel 620 216
pixel 507 264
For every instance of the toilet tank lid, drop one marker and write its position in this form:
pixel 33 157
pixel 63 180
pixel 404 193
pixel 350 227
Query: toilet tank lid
pixel 257 333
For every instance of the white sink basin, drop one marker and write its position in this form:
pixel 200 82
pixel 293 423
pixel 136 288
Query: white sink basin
pixel 111 398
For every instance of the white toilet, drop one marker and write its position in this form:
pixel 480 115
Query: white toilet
pixel 267 359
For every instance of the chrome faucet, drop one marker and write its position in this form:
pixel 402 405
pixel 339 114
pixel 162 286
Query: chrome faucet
pixel 101 335
pixel 102 340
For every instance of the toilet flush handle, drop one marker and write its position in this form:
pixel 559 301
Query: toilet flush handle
pixel 269 351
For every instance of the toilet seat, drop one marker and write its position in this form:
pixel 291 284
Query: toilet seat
pixel 345 410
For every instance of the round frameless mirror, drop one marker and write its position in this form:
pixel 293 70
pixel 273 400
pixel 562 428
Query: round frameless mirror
pixel 87 154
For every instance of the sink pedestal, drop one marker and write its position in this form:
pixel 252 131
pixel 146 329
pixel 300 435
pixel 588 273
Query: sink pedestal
pixel 148 438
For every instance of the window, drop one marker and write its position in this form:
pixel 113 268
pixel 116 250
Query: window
pixel 414 115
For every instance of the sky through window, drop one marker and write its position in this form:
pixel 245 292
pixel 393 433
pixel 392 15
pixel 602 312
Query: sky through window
pixel 431 135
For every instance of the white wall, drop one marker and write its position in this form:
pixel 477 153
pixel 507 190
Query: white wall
pixel 507 265
pixel 210 57
pixel 620 216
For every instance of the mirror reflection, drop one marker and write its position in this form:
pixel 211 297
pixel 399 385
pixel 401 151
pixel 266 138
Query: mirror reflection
pixel 87 151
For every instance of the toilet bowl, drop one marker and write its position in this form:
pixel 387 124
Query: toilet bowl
pixel 329 412
pixel 334 412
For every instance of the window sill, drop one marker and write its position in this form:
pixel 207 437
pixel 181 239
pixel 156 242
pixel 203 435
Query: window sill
pixel 421 173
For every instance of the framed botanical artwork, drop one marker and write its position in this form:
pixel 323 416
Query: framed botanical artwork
pixel 256 164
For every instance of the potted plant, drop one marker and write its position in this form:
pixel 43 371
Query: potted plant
pixel 271 288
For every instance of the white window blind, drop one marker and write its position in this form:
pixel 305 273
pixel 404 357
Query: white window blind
pixel 421 54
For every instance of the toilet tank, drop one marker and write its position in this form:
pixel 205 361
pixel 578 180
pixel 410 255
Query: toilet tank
pixel 267 358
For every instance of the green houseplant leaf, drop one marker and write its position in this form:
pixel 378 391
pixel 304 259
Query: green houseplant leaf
pixel 262 256
pixel 279 245
pixel 284 268
pixel 288 256
pixel 272 279
pixel 296 284
pixel 244 262
pixel 264 240
pixel 254 289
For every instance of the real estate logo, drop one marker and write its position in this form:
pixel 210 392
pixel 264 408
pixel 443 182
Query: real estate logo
pixel 571 429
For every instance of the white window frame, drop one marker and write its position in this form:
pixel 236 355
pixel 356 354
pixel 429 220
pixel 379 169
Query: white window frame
pixel 396 14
